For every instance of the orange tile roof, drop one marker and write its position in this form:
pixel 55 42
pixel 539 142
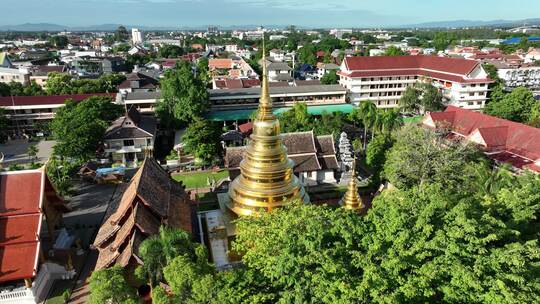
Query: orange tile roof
pixel 220 63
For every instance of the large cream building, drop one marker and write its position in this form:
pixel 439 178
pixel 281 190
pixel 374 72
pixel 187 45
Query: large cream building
pixel 383 79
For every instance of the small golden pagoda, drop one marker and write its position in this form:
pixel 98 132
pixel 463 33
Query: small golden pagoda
pixel 351 200
pixel 266 179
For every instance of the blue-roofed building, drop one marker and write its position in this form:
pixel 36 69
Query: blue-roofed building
pixel 516 40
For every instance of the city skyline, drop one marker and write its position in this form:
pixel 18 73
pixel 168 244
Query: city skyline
pixel 314 13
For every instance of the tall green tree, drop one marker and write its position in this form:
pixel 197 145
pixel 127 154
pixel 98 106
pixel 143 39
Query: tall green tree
pixel 79 127
pixel 330 78
pixel 307 253
pixel 389 120
pixel 431 98
pixel 410 100
pixel 421 156
pixel 394 51
pixel 376 153
pixel 368 115
pixel 58 84
pixel 121 34
pixel 203 139
pixel 420 98
pixel 159 250
pixel 184 96
pixel 109 286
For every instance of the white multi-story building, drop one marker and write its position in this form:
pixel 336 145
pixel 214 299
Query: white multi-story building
pixel 383 79
pixel 231 48
pixel 8 75
pixel 524 76
pixel 277 55
pixel 136 36
pixel 338 33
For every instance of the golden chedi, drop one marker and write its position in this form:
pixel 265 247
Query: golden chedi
pixel 266 179
pixel 351 200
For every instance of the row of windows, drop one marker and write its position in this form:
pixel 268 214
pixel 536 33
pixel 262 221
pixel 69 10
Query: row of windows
pixel 390 78
pixel 379 94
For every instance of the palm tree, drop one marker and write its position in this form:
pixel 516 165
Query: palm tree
pixel 159 250
pixel 367 112
pixel 389 120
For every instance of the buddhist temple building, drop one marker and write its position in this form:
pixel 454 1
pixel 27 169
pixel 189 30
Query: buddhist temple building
pixel 150 200
pixel 503 141
pixel 314 157
pixel 30 209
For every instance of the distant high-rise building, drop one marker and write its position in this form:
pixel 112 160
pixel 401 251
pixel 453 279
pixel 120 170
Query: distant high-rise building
pixel 212 29
pixel 136 36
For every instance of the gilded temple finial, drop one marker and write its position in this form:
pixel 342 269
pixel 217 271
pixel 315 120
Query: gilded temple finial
pixel 351 200
pixel 265 102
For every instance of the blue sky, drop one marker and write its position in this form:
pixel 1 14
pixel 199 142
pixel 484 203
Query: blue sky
pixel 240 12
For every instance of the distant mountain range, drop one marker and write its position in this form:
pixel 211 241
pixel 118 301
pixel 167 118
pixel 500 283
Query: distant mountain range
pixel 51 27
pixel 474 23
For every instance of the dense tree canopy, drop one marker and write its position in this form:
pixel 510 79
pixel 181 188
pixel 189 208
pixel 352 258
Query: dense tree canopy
pixel 184 96
pixel 330 78
pixel 516 106
pixel 62 84
pixel 110 286
pixel 170 51
pixel 79 127
pixel 421 156
pixel 426 244
pixel 18 89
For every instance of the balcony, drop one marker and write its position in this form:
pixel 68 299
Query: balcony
pixel 30 116
pixel 119 148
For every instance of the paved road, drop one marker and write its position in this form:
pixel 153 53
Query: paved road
pixel 88 204
pixel 15 151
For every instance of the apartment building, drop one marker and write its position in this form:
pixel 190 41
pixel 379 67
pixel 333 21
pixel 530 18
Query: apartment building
pixel 383 79
pixel 8 75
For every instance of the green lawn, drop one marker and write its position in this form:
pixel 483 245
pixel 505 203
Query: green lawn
pixel 199 179
pixel 413 120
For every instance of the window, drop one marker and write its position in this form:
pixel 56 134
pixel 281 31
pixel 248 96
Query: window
pixel 129 142
pixel 471 94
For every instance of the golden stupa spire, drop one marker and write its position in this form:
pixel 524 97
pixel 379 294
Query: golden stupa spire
pixel 266 179
pixel 265 102
pixel 351 200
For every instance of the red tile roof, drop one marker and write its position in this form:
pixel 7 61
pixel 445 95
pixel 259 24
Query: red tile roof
pixel 499 135
pixel 20 220
pixel 435 63
pixel 46 100
pixel 413 72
